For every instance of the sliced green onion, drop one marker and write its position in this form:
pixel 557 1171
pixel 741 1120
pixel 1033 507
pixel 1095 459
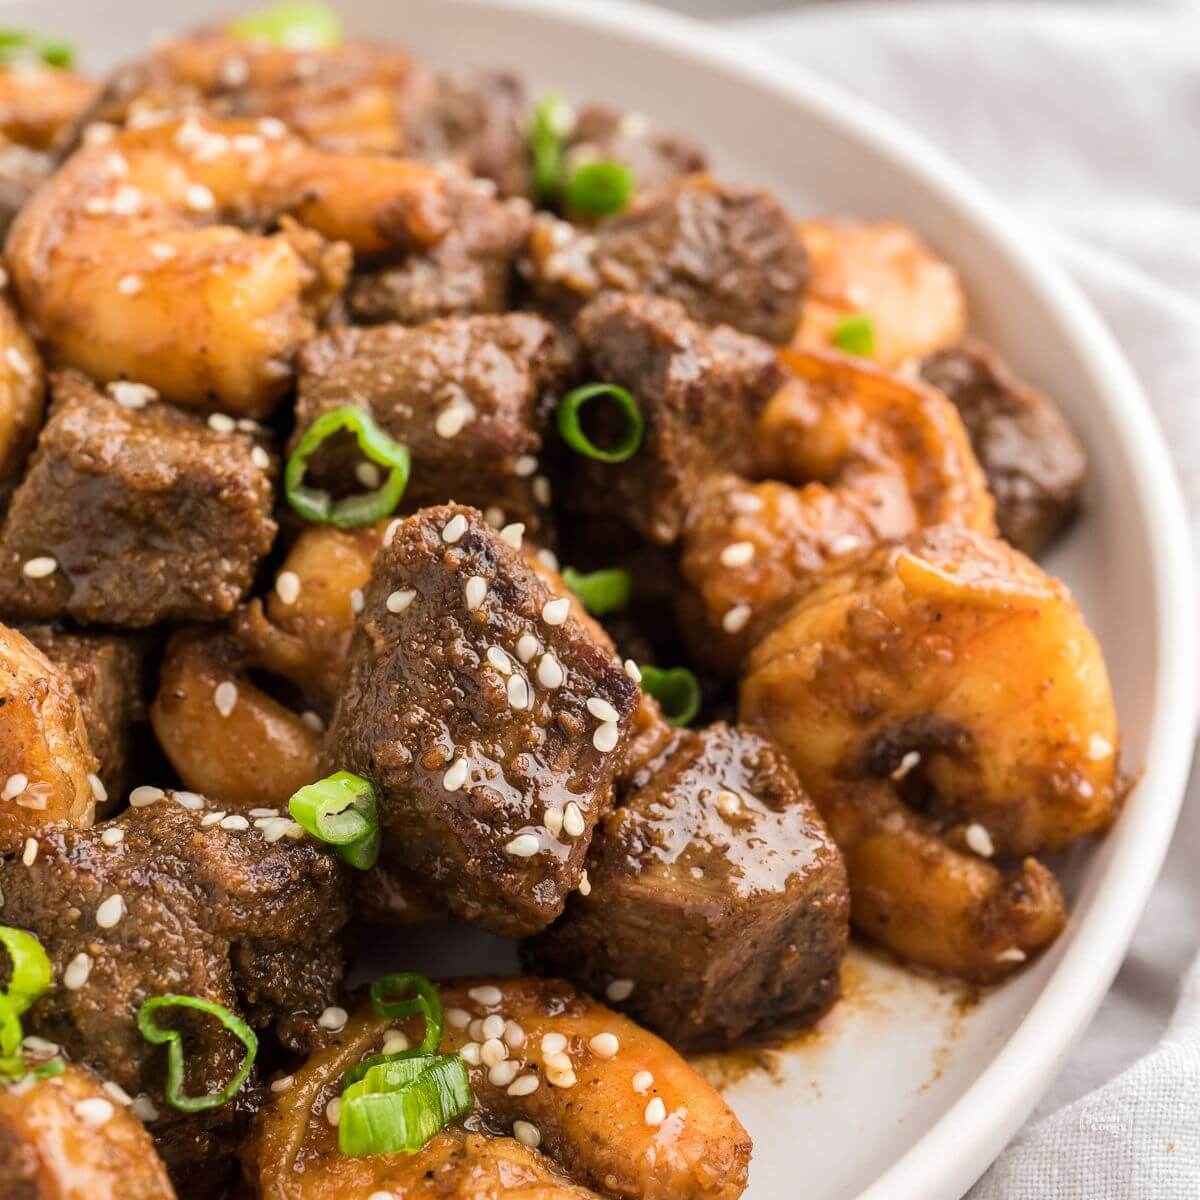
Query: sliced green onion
pixel 17 45
pixel 16 1065
pixel 676 689
pixel 425 1001
pixel 599 189
pixel 855 334
pixel 161 1035
pixel 293 24
pixel 341 811
pixel 600 592
pixel 10 1027
pixel 572 431
pixel 318 506
pixel 547 138
pixel 30 977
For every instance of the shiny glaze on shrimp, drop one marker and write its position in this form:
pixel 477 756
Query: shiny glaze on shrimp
pixel 22 398
pixel 38 104
pixel 121 271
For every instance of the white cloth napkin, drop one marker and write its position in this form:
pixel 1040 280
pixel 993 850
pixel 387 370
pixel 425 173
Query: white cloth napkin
pixel 1085 119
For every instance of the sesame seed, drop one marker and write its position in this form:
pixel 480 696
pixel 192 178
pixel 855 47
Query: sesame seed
pixel 272 127
pixel 492 1051
pixel 573 823
pixel 312 720
pixel 642 1082
pixel 541 489
pixel 558 1061
pixel 110 911
pixel 476 591
pixel 389 534
pixel 112 837
pixel 523 1085
pixel 619 989
pixel 562 1079
pixel 553 1043
pixel 730 803
pixel 846 544
pixel 14 785
pixel 144 1109
pixel 225 697
pixel 367 473
pixel 287 586
pixel 260 458
pixel 518 692
pixel 633 671
pixel 1099 747
pixel 356 601
pixel 18 361
pixel 554 612
pixel 454 529
pixel 907 763
pixel 94 1111
pixel 476 1029
pixel 494 516
pixel 601 709
pixel 552 818
pixel 549 672
pixel 116 1092
pixel 493 1026
pixel 282 1084
pixel 605 1045
pixel 163 252
pixel 333 1111
pixel 606 736
pixel 334 1018
pixel 503 1073
pixel 40 567
pixel 548 558
pixel 129 285
pixel 126 201
pixel 527 647
pixel 395 1042
pixel 524 845
pixel 221 423
pixel 486 994
pixel 450 420
pixel 456 776
pixel 199 199
pixel 212 818
pixel 514 1035
pixel 746 502
pixel 142 797
pixel 30 852
pixel 1014 954
pixel 656 1111
pixel 258 812
pixel 131 395
pixel 737 554
pixel 525 466
pixel 499 660
pixel 735 620
pixel 585 884
pixel 400 600
pixel 381 1195
pixel 513 535
pixel 235 823
pixel 40 1046
pixel 99 791
pixel 457 1018
pixel 979 840
pixel 527 1133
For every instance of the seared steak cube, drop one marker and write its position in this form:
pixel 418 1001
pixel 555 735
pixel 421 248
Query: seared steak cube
pixel 1034 463
pixel 729 255
pixel 129 516
pixel 718 902
pixel 700 391
pixel 107 672
pixel 469 396
pixel 488 718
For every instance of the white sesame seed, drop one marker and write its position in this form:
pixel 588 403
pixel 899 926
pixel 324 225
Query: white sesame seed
pixel 225 697
pixel 99 132
pixel 558 1060
pixel 527 1133
pixel 846 544
pixel 450 420
pixel 454 529
pixel 212 818
pixel 129 285
pixel 585 884
pixel 395 1042
pixel 494 516
pixel 486 994
pixel 524 845
pixel 382 1195
pixel 493 1026
pixel 503 1073
pixel 554 612
pixel 234 823
pixel 527 647
pixel 656 1111
pixel 552 818
pixel 492 1051
pixel 94 1111
pixel 553 1043
pixel 513 535
pixel 40 567
pixel 99 791
pixel 514 1035
pixel 476 1029
pixel 144 1109
pixel 110 911
pixel 562 1079
pixel 132 395
pixel 333 1111
pixel 549 672
pixel 30 852
pixel 735 620
pixel 356 601
pixel 746 502
pixel 220 422
pixel 457 1018
pixel 282 1084
pixel 730 803
pixel 1014 954
pixel 199 199
pixel 112 837
pixel 40 1046
pixel 601 709
pixel 287 586
pixel 14 785
pixel 400 600
pixel 260 458
pixel 272 127
pixel 910 760
pixel 606 736
pixel 389 533
pixel 499 660
pixel 1099 747
pixel 142 797
pixel 475 591
pixel 312 720
pixel 367 473
pixel 605 1045
pixel 642 1082
pixel 541 489
pixel 737 554
pixel 573 823
pixel 17 361
pixel 619 989
pixel 259 812
pixel 523 1085
pixel 275 828
pixel 525 466
pixel 334 1018
pixel 116 1092
pixel 163 252
pixel 126 201
pixel 979 840
pixel 456 776
pixel 518 692
pixel 633 671
pixel 548 558
pixel 469 1053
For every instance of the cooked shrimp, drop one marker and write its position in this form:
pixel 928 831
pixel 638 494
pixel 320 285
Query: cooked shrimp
pixel 598 1085
pixel 47 769
pixel 22 397
pixel 883 271
pixel 225 736
pixel 38 104
pixel 122 273
pixel 857 457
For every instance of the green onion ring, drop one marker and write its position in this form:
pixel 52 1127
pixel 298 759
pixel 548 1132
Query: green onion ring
pixel 293 24
pixel 341 811
pixel 316 505
pixel 855 334
pixel 16 44
pixel 600 189
pixel 425 1001
pixel 600 592
pixel 10 1028
pixel 572 432
pixel 676 689
pixel 171 1038
pixel 547 137
pixel 31 971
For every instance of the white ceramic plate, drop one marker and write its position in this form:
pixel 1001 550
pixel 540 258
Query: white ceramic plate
pixel 901 1094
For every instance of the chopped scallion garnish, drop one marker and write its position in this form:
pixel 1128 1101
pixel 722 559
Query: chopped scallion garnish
pixel 548 132
pixel 161 1035
pixel 30 975
pixel 348 512
pixel 855 334
pixel 571 430
pixel 425 1001
pixel 676 689
pixel 19 46
pixel 293 24
pixel 599 189
pixel 10 1027
pixel 341 811
pixel 600 592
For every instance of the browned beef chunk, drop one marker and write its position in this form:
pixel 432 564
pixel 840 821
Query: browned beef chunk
pixel 488 718
pixel 469 396
pixel 471 270
pixel 138 515
pixel 654 156
pixel 173 899
pixel 107 671
pixel 729 255
pixel 1034 463
pixel 716 893
pixel 700 391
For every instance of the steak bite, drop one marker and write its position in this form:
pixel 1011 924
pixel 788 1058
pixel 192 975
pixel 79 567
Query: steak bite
pixel 130 516
pixel 700 391
pixel 729 255
pixel 469 396
pixel 1034 463
pixel 47 769
pixel 718 902
pixel 487 717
